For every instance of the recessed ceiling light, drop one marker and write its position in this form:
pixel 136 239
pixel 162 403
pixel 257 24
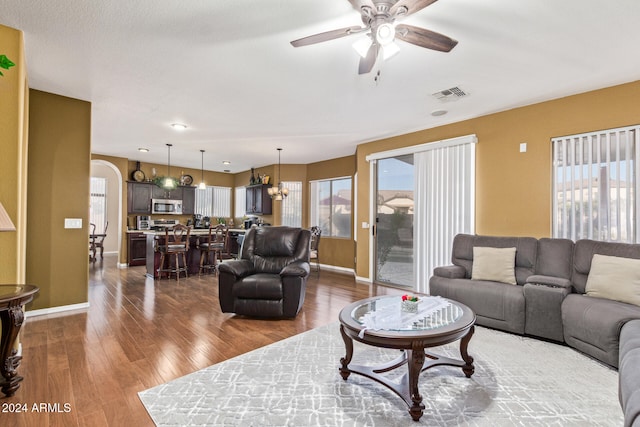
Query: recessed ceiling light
pixel 143 150
pixel 437 113
pixel 226 162
pixel 178 126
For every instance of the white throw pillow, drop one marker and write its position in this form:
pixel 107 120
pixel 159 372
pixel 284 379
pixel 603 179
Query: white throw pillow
pixel 614 278
pixel 496 264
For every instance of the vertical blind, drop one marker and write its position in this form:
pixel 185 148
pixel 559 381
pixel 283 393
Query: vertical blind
pixel 214 202
pixel 292 204
pixel 444 203
pixel 98 203
pixel 595 182
pixel 241 202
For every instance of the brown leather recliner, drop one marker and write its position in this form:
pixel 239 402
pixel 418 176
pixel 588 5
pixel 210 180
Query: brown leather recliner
pixel 270 278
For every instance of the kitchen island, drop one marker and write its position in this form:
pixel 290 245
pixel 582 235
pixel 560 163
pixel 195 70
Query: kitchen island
pixel 193 255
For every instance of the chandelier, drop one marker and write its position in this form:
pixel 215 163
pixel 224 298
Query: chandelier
pixel 278 192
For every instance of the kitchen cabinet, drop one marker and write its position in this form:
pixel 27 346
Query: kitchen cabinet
pixel 139 197
pixel 188 200
pixel 258 199
pixel 161 193
pixel 137 249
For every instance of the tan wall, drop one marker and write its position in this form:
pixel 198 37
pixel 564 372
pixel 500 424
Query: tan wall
pixel 14 103
pixel 337 252
pixel 513 189
pixel 59 170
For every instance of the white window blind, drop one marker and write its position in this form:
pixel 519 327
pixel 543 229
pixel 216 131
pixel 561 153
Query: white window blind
pixel 595 182
pixel 291 213
pixel 241 202
pixel 98 203
pixel 214 202
pixel 444 203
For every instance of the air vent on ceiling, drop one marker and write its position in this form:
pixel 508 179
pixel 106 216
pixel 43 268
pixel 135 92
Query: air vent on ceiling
pixel 452 94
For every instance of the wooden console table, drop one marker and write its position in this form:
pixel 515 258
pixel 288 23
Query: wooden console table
pixel 12 298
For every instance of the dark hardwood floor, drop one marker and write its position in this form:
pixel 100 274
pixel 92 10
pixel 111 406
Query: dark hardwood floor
pixel 85 368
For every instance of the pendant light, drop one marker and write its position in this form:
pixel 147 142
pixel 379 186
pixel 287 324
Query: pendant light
pixel 278 192
pixel 169 183
pixel 202 185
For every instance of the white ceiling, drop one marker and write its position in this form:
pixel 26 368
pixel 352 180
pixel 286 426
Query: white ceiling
pixel 227 70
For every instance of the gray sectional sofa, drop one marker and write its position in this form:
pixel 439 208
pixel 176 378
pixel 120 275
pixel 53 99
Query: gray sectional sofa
pixel 549 301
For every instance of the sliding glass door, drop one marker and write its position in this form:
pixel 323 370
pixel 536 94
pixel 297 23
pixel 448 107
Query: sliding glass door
pixel 394 221
pixel 424 196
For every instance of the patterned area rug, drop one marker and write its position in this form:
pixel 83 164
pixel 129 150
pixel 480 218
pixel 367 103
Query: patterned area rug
pixel 295 382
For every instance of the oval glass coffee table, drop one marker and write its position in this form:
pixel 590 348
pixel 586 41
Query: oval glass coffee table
pixel 381 322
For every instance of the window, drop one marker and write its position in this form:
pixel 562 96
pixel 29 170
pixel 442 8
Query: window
pixel 241 202
pixel 331 207
pixel 292 204
pixel 595 182
pixel 98 203
pixel 214 202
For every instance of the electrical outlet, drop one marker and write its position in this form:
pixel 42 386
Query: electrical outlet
pixel 73 223
pixel 523 147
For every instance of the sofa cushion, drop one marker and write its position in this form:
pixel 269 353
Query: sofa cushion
pixel 629 375
pixel 262 286
pixel 495 264
pixel 614 278
pixel 463 244
pixel 583 254
pixel 497 305
pixel 592 325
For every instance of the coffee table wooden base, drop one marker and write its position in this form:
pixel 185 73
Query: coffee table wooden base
pixel 417 361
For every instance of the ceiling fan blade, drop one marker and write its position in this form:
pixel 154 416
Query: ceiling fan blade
pixel 367 63
pixel 326 36
pixel 425 38
pixel 358 4
pixel 412 6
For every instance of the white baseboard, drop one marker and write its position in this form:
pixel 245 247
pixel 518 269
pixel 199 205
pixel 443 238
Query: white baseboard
pixel 333 268
pixel 366 280
pixel 122 265
pixel 59 309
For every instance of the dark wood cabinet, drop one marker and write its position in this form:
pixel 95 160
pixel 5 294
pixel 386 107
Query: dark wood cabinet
pixel 139 197
pixel 258 199
pixel 137 249
pixel 161 193
pixel 188 200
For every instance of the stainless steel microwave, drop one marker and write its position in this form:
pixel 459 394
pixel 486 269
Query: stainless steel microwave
pixel 166 206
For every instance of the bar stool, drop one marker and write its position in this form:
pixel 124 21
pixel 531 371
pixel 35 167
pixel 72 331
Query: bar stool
pixel 176 242
pixel 215 243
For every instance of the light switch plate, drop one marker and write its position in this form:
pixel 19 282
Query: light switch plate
pixel 73 223
pixel 523 147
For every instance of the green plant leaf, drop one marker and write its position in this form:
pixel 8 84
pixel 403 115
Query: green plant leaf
pixel 5 62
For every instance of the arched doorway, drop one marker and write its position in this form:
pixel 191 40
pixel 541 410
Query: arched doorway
pixel 113 179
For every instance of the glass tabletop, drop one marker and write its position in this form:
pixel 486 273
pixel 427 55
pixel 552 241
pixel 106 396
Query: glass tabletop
pixel 386 313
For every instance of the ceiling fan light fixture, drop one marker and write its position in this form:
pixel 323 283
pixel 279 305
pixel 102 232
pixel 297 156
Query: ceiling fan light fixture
pixel 362 45
pixel 385 34
pixel 390 50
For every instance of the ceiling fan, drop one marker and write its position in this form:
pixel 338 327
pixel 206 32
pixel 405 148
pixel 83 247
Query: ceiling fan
pixel 378 17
